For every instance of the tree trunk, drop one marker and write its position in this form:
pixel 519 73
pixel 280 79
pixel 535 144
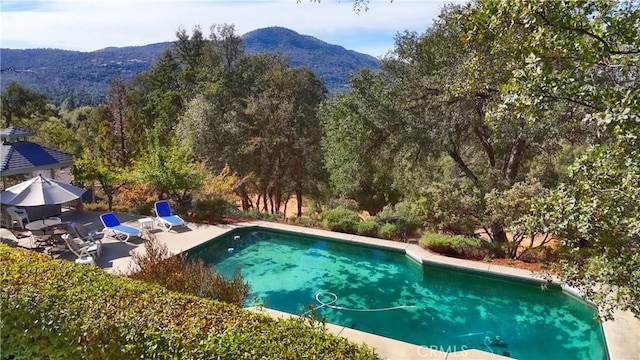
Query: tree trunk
pixel 513 160
pixel 299 200
pixel 497 233
pixel 463 166
pixel 284 211
pixel 265 207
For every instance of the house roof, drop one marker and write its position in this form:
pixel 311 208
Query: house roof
pixel 13 132
pixel 22 157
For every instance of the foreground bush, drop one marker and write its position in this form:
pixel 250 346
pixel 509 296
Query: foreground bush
pixel 156 265
pixel 56 309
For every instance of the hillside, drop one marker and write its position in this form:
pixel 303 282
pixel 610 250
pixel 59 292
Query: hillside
pixel 333 63
pixel 85 76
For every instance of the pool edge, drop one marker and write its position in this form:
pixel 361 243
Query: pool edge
pixel 420 255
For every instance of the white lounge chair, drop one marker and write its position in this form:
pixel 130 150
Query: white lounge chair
pixel 113 226
pixel 165 217
pixel 82 249
pixel 83 237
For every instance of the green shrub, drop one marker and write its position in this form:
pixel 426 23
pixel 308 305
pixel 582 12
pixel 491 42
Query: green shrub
pixel 103 206
pixel 142 208
pixel 255 214
pixel 456 246
pixel 388 231
pixel 340 219
pixel 210 209
pixel 55 309
pixel 368 227
pixel 304 221
pixel 402 215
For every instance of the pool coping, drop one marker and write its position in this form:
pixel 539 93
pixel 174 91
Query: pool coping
pixel 621 341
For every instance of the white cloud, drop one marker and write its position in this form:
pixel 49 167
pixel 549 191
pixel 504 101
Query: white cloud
pixel 92 25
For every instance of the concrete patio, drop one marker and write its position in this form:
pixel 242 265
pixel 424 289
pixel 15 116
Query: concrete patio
pixel 622 335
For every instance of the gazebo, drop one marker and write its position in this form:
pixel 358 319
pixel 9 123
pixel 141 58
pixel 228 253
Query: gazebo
pixel 20 156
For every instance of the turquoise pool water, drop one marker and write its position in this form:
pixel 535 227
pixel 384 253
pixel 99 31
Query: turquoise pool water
pixel 386 293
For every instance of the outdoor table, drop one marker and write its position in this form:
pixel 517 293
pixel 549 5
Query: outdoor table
pixel 41 227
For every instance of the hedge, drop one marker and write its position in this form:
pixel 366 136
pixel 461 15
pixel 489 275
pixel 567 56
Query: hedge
pixel 341 219
pixel 58 309
pixel 456 246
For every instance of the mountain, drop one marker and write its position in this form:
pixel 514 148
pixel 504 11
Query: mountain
pixel 85 76
pixel 332 63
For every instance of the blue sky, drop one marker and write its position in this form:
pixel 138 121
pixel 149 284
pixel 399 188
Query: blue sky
pixel 88 25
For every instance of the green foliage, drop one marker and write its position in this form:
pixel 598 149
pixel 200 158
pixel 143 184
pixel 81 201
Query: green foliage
pixel 58 309
pixel 255 214
pixel 170 171
pixel 456 246
pixel 174 272
pixel 19 104
pixel 454 207
pixel 142 208
pixel 55 135
pixel 368 227
pixel 585 54
pixel 211 209
pixel 95 168
pixel 388 231
pixel 403 214
pixel 307 221
pixel 340 219
pixel 102 206
pixel 355 128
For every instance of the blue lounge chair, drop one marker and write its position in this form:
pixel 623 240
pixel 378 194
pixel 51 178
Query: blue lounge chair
pixel 165 218
pixel 113 225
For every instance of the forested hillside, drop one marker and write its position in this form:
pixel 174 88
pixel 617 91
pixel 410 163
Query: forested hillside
pixel 85 76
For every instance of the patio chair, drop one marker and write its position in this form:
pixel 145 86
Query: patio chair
pixel 165 217
pixel 17 215
pixel 84 237
pixel 82 249
pixel 113 226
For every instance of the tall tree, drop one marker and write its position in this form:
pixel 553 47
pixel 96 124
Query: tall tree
pixel 288 134
pixel 359 144
pixel 192 66
pixel 586 54
pixel 125 133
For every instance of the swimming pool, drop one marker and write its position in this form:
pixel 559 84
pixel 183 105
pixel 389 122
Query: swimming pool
pixel 388 294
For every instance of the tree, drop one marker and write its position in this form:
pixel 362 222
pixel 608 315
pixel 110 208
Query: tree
pixel 286 137
pixel 260 119
pixel 19 103
pixel 88 169
pixel 125 134
pixel 170 171
pixel 358 143
pixel 595 214
pixel 97 162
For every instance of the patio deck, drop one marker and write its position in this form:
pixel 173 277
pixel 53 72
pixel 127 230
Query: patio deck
pixel 622 335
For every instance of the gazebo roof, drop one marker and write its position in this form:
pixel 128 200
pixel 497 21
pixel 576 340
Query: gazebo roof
pixel 23 157
pixel 13 132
